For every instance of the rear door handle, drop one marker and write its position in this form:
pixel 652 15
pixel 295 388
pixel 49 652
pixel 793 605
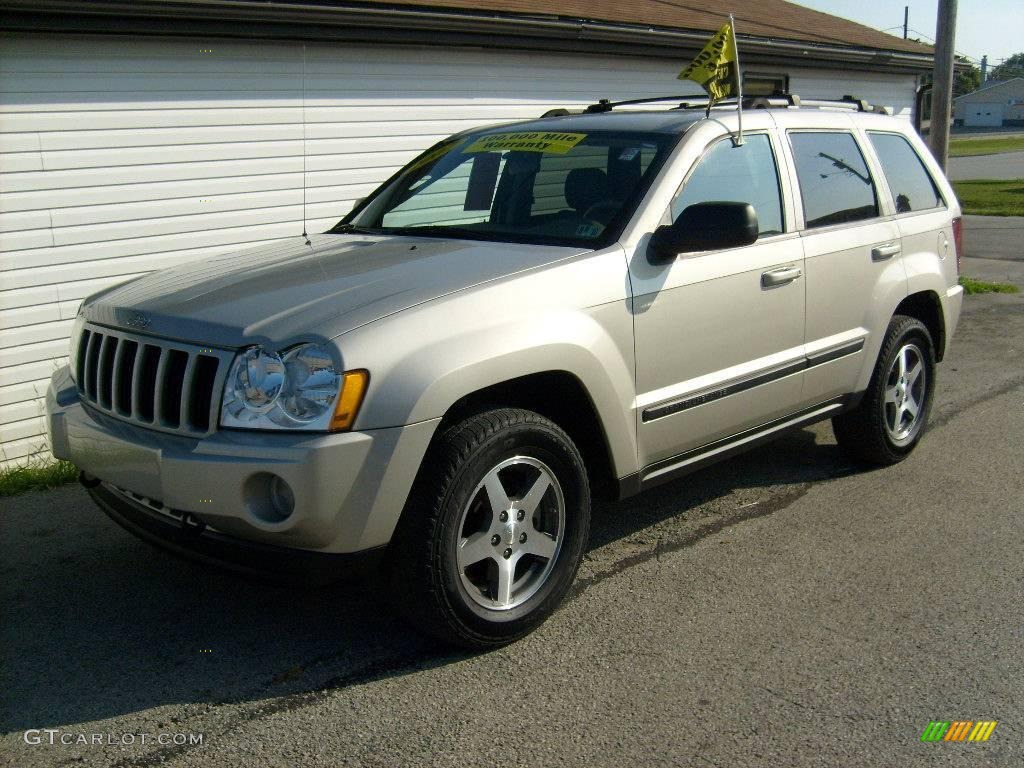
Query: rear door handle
pixel 883 252
pixel 780 276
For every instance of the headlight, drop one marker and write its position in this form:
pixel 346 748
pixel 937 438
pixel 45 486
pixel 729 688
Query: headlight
pixel 258 380
pixel 300 388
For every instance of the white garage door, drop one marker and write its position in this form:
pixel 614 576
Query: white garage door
pixel 983 114
pixel 123 155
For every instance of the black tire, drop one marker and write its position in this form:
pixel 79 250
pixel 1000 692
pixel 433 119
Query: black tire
pixel 448 505
pixel 866 433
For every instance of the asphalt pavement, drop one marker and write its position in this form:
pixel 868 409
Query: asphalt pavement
pixel 781 609
pixel 994 237
pixel 1004 166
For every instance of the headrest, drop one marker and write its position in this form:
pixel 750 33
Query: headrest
pixel 585 187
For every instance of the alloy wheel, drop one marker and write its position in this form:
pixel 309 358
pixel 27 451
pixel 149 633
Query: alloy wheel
pixel 510 533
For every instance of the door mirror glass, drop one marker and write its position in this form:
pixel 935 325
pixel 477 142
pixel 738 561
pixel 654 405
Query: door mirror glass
pixel 706 227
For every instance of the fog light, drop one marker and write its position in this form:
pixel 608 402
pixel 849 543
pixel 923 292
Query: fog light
pixel 269 498
pixel 281 497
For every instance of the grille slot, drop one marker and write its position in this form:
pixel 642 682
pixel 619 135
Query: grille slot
pixel 124 367
pixel 171 387
pixel 161 384
pixel 145 392
pixel 105 383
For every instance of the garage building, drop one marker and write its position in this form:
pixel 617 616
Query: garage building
pixel 994 105
pixel 137 135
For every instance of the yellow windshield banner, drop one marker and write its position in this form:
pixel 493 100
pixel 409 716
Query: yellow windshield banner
pixel 435 154
pixel 716 68
pixel 542 141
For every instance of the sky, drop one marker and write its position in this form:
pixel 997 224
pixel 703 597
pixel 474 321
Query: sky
pixel 993 27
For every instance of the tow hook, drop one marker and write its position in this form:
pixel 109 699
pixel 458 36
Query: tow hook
pixel 88 481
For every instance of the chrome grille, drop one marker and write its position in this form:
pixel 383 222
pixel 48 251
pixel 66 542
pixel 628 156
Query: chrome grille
pixel 153 382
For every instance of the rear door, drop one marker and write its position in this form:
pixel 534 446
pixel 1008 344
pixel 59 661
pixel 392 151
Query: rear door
pixel 852 256
pixel 922 215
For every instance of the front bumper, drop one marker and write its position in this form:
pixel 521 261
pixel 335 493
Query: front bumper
pixel 198 542
pixel 349 488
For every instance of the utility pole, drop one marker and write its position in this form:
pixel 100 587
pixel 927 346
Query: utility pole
pixel 942 91
pixel 906 20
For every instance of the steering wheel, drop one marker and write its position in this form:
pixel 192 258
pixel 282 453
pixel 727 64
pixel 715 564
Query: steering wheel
pixel 602 212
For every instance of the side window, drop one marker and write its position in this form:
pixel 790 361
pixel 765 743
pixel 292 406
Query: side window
pixel 744 174
pixel 911 186
pixel 835 184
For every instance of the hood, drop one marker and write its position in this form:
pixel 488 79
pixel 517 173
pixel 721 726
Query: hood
pixel 290 290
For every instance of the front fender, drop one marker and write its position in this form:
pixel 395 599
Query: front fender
pixel 425 359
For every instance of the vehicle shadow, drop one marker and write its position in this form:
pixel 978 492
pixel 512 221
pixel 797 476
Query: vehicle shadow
pixel 99 625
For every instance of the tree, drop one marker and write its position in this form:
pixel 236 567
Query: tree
pixel 967 77
pixel 1010 68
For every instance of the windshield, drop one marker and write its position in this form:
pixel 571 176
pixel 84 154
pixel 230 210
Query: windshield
pixel 542 187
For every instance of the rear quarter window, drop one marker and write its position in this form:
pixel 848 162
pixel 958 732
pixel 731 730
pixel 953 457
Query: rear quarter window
pixel 911 185
pixel 835 184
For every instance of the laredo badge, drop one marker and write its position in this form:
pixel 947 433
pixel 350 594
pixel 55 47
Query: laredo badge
pixel 537 141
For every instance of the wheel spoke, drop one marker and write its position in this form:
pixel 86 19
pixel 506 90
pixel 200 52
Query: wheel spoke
pixel 911 407
pixel 541 544
pixel 474 549
pixel 506 573
pixel 531 500
pixel 913 373
pixel 496 494
pixel 903 363
pixel 890 395
pixel 897 419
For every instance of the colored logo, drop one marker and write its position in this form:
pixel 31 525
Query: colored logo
pixel 959 730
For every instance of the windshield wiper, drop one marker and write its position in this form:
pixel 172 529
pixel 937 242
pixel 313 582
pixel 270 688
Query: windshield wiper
pixel 354 229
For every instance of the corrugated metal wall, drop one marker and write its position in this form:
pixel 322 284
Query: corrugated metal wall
pixel 123 155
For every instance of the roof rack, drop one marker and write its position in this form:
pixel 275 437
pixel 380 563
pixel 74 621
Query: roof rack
pixel 701 101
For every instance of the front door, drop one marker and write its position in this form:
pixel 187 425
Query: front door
pixel 719 335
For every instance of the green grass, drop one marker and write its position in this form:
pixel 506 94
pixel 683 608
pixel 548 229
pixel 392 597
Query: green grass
pixel 986 197
pixel 993 146
pixel 972 286
pixel 36 475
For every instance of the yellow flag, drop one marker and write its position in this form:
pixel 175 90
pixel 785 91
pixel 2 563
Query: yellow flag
pixel 716 67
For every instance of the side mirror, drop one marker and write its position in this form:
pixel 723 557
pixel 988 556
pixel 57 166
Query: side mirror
pixel 706 227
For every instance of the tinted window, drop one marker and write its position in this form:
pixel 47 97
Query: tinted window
pixel 744 174
pixel 835 184
pixel 911 186
pixel 565 188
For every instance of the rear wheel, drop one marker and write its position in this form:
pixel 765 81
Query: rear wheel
pixel 494 531
pixel 892 417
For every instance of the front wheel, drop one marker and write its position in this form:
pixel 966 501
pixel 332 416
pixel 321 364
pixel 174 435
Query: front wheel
pixel 892 417
pixel 494 531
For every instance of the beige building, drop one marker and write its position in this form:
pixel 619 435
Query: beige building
pixel 992 105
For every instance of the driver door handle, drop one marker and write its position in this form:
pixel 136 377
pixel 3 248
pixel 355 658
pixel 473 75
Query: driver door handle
pixel 883 252
pixel 780 276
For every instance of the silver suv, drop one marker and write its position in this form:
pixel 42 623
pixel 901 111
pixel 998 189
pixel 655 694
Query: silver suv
pixel 523 318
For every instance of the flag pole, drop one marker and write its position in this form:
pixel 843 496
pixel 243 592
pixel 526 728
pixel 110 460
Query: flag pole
pixel 739 80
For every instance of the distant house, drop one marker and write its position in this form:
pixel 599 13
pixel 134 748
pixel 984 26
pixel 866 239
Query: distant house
pixel 993 105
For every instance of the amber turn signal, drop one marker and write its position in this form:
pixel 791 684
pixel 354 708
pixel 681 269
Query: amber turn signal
pixel 353 388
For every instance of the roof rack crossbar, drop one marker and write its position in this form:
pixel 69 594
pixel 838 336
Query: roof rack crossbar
pixel 604 105
pixel 702 100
